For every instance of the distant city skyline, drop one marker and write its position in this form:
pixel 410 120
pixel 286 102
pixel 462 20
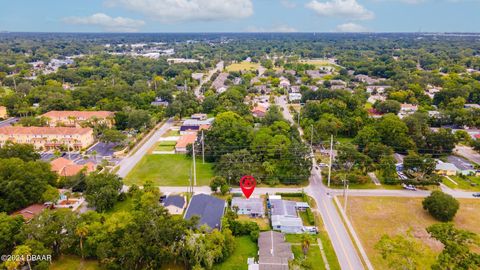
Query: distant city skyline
pixel 240 16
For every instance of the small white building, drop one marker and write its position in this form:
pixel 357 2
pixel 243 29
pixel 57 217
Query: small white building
pixel 294 96
pixel 287 224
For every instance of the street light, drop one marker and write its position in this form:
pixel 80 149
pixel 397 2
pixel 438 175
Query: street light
pixel 345 195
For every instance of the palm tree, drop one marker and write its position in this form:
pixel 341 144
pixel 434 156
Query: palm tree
pixel 305 243
pixel 81 231
pixel 94 154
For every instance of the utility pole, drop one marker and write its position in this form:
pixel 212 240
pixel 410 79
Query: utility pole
pixel 330 165
pixel 194 166
pixel 345 195
pixel 203 148
pixel 185 86
pixel 190 180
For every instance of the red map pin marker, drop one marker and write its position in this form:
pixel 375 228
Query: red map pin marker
pixel 248 183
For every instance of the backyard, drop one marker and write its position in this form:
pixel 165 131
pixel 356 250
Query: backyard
pixel 74 263
pixel 393 215
pixel 169 170
pixel 244 248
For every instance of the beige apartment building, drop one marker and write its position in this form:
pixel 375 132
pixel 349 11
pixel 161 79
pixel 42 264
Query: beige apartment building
pixel 48 138
pixel 3 112
pixel 76 118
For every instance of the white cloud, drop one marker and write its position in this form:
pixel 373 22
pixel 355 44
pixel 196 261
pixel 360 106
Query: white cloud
pixel 288 4
pixel 412 2
pixel 350 27
pixel 118 24
pixel 275 29
pixel 350 9
pixel 187 10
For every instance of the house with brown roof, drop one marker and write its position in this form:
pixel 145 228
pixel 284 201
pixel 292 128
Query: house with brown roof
pixel 3 112
pixel 76 118
pixel 48 137
pixel 66 167
pixel 184 141
pixel 31 211
pixel 259 111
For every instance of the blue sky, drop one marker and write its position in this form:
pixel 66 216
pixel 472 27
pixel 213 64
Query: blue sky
pixel 240 15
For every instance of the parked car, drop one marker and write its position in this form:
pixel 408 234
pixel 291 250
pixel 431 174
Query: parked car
pixel 409 187
pixel 476 195
pixel 322 165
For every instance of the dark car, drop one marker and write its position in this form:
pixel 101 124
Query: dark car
pixel 476 195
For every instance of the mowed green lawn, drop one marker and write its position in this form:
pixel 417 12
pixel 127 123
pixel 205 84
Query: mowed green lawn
pixel 463 184
pixel 74 263
pixel 244 248
pixel 242 66
pixel 169 170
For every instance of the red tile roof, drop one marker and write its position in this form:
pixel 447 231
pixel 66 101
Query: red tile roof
pixel 30 211
pixel 186 140
pixel 78 114
pixel 13 130
pixel 66 167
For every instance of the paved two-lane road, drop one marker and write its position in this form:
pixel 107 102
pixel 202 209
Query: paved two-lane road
pixel 127 164
pixel 218 67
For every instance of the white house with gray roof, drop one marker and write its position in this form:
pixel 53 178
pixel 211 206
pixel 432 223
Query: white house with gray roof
pixel 253 207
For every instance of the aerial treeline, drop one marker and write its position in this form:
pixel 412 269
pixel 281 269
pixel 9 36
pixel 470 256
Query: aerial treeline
pixel 145 237
pixel 272 153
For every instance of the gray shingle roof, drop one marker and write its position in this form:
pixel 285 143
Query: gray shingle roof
pixel 274 253
pixel 208 208
pixel 460 163
pixel 283 208
pixel 176 200
pixel 255 205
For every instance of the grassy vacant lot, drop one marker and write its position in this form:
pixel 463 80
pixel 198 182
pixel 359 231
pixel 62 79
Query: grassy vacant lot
pixel 74 263
pixel 171 133
pixel 318 62
pixel 166 146
pixel 242 66
pixel 463 184
pixel 168 170
pixel 244 248
pixel 374 216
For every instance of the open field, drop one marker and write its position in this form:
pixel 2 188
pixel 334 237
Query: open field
pixel 242 66
pixel 463 184
pixel 74 263
pixel 168 170
pixel 374 216
pixel 318 62
pixel 244 248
